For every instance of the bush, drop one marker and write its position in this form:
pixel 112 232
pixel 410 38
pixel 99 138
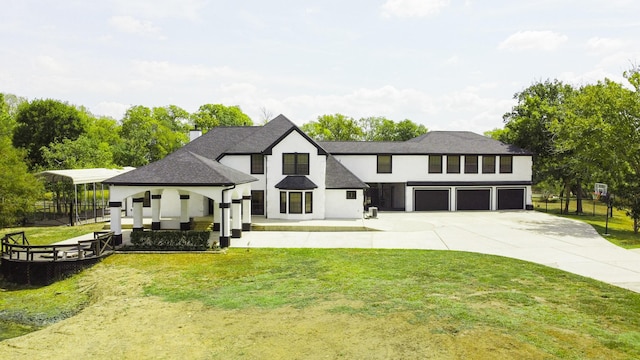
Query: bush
pixel 170 240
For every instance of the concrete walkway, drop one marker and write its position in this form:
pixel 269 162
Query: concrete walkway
pixel 549 240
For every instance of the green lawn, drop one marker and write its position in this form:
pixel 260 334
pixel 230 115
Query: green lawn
pixel 620 227
pixel 45 235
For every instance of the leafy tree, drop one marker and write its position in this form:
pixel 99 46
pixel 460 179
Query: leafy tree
pixel 7 123
pixel 147 136
pixel 336 127
pixel 211 115
pixel 42 122
pixel 84 152
pixel 407 129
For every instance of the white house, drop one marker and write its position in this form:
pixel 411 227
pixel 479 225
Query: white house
pixel 277 171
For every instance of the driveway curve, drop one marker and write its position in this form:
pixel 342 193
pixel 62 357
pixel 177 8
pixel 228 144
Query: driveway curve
pixel 553 241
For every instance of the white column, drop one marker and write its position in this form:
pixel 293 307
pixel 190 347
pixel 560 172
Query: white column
pixel 216 216
pixel 225 219
pixel 246 212
pixel 116 221
pixel 137 214
pixel 156 197
pixel 236 217
pixel 185 224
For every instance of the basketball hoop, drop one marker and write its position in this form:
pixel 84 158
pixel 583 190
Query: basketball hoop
pixel 600 189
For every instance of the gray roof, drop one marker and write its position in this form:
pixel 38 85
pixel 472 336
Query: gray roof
pixel 339 177
pixel 182 168
pixel 433 142
pixel 243 140
pixel 296 182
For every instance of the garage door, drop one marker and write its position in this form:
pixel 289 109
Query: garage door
pixel 431 200
pixel 510 199
pixel 476 199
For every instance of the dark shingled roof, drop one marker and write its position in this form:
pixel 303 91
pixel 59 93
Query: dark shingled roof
pixel 242 140
pixel 339 177
pixel 296 182
pixel 433 142
pixel 182 168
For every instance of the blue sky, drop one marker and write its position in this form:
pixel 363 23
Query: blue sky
pixel 447 64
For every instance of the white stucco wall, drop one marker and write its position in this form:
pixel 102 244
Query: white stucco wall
pixel 294 143
pixel 339 207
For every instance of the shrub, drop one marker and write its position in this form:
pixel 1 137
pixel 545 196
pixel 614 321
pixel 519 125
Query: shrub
pixel 170 240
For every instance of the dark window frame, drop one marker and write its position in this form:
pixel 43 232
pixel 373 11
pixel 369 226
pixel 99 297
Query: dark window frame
pixel 283 202
pixel 293 205
pixel 450 168
pixel 146 203
pixel 507 167
pixel 382 169
pixel 257 207
pixel 299 166
pixel 471 168
pixel 489 167
pixel 308 202
pixel 435 167
pixel 257 164
pixel 351 195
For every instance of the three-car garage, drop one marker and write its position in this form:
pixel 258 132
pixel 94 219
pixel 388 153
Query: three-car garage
pixel 469 198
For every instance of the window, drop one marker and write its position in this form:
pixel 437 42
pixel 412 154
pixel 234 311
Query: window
pixel 351 194
pixel 308 202
pixel 453 164
pixel 488 164
pixel 295 202
pixel 384 164
pixel 257 164
pixel 147 199
pixel 435 164
pixel 257 202
pixel 295 164
pixel 506 164
pixel 283 202
pixel 471 164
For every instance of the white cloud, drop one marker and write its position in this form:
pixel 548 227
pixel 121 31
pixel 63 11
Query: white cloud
pixel 533 40
pixel 599 45
pixel 132 25
pixel 413 8
pixel 112 109
pixel 162 9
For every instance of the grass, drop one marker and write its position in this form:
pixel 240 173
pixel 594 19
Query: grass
pixel 620 226
pixel 46 235
pixel 448 292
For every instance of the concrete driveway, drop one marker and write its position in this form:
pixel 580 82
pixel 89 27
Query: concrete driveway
pixel 561 243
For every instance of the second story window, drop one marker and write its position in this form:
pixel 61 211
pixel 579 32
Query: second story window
pixel 295 164
pixel 384 164
pixel 488 164
pixel 453 164
pixel 435 164
pixel 471 164
pixel 257 164
pixel 506 164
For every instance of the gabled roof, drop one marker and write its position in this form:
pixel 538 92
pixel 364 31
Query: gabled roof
pixel 242 140
pixel 339 177
pixel 182 168
pixel 296 182
pixel 433 142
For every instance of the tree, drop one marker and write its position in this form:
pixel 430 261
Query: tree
pixel 83 152
pixel 407 129
pixel 148 135
pixel 42 122
pixel 211 115
pixel 7 122
pixel 335 127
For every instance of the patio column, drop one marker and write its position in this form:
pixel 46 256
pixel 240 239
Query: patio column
pixel 246 213
pixel 116 221
pixel 185 224
pixel 156 196
pixel 216 217
pixel 225 219
pixel 137 214
pixel 236 218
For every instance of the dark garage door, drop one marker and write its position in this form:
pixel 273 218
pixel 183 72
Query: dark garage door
pixel 476 199
pixel 431 200
pixel 510 199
